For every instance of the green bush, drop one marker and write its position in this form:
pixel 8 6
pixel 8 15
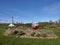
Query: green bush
pixel 38 35
pixel 21 33
pixel 15 32
pixel 44 34
pixel 33 33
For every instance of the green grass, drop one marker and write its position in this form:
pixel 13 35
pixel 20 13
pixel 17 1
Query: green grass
pixel 26 41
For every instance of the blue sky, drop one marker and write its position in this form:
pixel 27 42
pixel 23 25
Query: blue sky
pixel 29 10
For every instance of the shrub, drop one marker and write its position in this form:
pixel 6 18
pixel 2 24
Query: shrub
pixel 15 32
pixel 38 35
pixel 21 33
pixel 44 34
pixel 33 33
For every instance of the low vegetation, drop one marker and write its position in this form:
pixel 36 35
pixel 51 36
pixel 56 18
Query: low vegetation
pixel 38 35
pixel 21 33
pixel 33 33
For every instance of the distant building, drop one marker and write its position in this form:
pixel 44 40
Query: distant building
pixel 12 23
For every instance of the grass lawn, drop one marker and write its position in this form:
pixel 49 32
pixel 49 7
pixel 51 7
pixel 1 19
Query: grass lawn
pixel 20 41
